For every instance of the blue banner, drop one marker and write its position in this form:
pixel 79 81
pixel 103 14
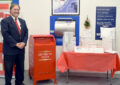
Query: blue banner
pixel 15 1
pixel 105 17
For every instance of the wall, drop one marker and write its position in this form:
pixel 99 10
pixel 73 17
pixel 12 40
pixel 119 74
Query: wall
pixel 88 8
pixel 37 13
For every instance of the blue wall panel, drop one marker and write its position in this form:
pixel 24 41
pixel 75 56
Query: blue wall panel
pixel 59 40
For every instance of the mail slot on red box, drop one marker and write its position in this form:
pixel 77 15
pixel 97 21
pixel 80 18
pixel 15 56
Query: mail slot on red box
pixel 42 57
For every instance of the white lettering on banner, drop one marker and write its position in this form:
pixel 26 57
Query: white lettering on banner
pixel 98 34
pixel 45 53
pixel 44 57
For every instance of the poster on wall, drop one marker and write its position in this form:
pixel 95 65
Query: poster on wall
pixel 105 17
pixel 4 12
pixel 65 7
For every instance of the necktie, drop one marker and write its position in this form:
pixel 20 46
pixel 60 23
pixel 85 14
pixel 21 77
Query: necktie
pixel 17 26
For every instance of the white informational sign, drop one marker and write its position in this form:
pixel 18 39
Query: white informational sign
pixel 108 39
pixel 88 50
pixel 107 33
pixel 65 7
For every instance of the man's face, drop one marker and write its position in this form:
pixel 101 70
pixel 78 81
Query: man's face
pixel 15 11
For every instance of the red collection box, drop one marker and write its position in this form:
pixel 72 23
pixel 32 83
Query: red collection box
pixel 42 57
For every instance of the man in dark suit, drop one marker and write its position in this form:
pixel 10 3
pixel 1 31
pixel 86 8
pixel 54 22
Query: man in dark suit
pixel 15 36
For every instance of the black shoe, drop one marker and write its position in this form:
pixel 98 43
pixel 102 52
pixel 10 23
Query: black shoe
pixel 22 84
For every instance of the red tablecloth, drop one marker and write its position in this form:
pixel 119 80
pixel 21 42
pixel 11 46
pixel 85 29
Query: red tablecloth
pixel 98 62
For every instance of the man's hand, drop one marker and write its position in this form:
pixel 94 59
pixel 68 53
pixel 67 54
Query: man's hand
pixel 20 45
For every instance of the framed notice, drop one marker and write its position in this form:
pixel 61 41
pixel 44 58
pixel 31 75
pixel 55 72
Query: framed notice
pixel 65 7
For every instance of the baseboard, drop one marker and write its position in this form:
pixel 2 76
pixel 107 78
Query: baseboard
pixel 86 74
pixel 89 74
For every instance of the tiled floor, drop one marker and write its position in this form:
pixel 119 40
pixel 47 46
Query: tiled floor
pixel 73 80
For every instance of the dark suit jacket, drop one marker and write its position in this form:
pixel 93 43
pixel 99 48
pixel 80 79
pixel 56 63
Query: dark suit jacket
pixel 11 35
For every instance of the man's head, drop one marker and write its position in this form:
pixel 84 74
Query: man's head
pixel 14 10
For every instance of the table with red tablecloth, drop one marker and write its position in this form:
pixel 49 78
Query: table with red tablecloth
pixel 96 62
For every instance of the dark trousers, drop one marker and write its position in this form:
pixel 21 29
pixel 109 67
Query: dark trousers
pixel 18 61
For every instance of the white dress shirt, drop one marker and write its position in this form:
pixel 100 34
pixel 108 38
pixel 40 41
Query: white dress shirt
pixel 17 21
